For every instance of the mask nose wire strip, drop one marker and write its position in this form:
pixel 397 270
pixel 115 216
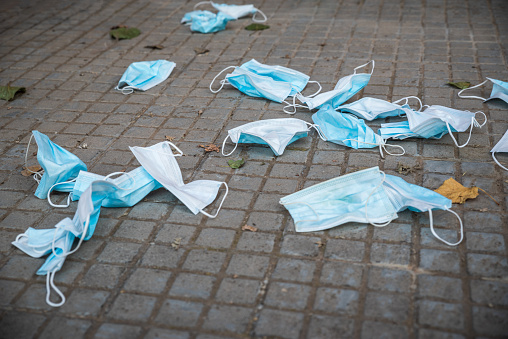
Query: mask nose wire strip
pixel 220 206
pixel 37 175
pixel 471 96
pixel 221 82
pixel 407 101
pixel 202 3
pixel 301 203
pixel 224 144
pixel 437 236
pixel 497 162
pixel 68 197
pixel 83 236
pixel 51 284
pixel 367 203
pixel 260 12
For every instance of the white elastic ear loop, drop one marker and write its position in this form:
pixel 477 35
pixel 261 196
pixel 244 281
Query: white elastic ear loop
pixel 224 143
pixel 83 236
pixel 407 101
pixel 471 96
pixel 497 162
pixel 222 82
pixel 175 147
pixel 453 138
pixel 319 90
pixel 37 175
pixel 316 127
pixel 294 104
pixel 121 174
pixel 367 203
pixel 302 203
pixel 50 284
pixel 23 235
pixel 202 3
pixel 484 120
pixel 437 236
pixel 68 197
pixel 257 20
pixel 382 146
pixel 218 210
pixel 373 65
pixel 126 90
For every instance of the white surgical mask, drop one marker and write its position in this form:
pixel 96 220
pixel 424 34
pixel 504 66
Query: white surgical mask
pixel 501 146
pixel 499 91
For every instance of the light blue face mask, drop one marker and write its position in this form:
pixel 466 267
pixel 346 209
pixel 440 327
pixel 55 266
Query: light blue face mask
pixel 276 133
pixel 59 165
pixel 235 11
pixel 367 196
pixel 144 75
pixel 255 85
pixel 499 91
pixel 345 88
pixel 501 146
pixel 206 22
pixel 372 108
pixel 347 130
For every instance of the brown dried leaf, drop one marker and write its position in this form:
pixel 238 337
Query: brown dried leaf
pixel 210 148
pixel 28 171
pixel 168 138
pixel 249 228
pixel 155 46
pixel 456 192
pixel 176 243
pixel 319 243
pixel 406 169
pixel 199 50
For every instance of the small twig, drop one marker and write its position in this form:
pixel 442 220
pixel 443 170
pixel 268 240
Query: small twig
pixel 488 195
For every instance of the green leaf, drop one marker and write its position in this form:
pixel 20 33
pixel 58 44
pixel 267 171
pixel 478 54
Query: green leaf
pixel 8 92
pixel 236 163
pixel 460 84
pixel 256 27
pixel 124 33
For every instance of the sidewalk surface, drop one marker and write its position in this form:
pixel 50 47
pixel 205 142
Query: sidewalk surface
pixel 353 281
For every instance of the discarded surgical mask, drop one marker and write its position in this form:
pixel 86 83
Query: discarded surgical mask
pixel 255 85
pixel 159 161
pixel 501 146
pixel 499 91
pixel 347 130
pixel 345 88
pixel 144 75
pixel 235 11
pixel 206 21
pixel 372 108
pixel 367 196
pixel 132 186
pixel 59 165
pixel 276 133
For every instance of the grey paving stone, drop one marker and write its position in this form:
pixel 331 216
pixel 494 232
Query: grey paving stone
pixel 20 267
pixel 390 254
pixel 439 287
pixel 147 281
pixel 238 291
pixel 294 270
pixel 8 291
pixel 371 329
pixel 279 323
pixel 112 330
pixel 215 238
pixel 132 307
pixel 385 279
pixel 21 324
pixel 192 285
pixel 439 314
pixel 102 276
pixel 342 274
pixel 118 252
pixel 179 313
pixel 131 229
pixel 160 256
pixel 332 300
pixel 487 265
pixel 345 249
pixel 387 306
pixel 84 302
pixel 430 334
pixel 287 295
pixel 35 297
pixel 329 327
pixel 168 233
pixel 204 261
pixel 160 333
pixel 227 318
pixel 489 292
pixel 60 327
pixel 248 265
pixel 442 261
pixel 491 322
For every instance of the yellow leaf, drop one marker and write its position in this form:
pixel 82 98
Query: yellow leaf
pixel 456 192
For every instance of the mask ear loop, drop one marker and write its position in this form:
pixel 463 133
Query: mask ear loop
pixel 318 130
pixel 497 162
pixel 220 206
pixel 68 197
pixel 23 235
pixel 222 82
pixel 407 101
pixel 83 236
pixel 319 90
pixel 437 236
pixel 367 202
pixel 257 20
pixel 36 175
pixel 472 96
pixel 302 203
pixel 455 140
pixel 202 3
pixel 294 105
pixel 224 144
pixel 122 174
pixel 126 90
pixel 382 146
pixel 51 284
pixel 484 119
pixel 373 65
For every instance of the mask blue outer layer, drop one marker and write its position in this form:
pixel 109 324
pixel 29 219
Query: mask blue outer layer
pixel 499 90
pixel 259 86
pixel 372 108
pixel 337 127
pixel 59 164
pixel 144 75
pixel 206 23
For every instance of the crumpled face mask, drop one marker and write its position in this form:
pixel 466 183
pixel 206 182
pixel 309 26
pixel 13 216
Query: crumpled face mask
pixel 372 108
pixel 276 133
pixel 499 91
pixel 254 85
pixel 501 146
pixel 347 130
pixel 144 75
pixel 367 196
pixel 159 161
pixel 235 11
pixel 206 21
pixel 345 88
pixel 59 165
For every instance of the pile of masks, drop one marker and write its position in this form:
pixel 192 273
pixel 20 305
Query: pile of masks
pixel 65 172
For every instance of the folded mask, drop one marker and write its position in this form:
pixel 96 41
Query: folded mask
pixel 235 11
pixel 372 108
pixel 367 196
pixel 198 15
pixel 345 88
pixel 347 130
pixel 276 133
pixel 499 91
pixel 501 146
pixel 206 22
pixel 159 161
pixel 144 75
pixel 255 85
pixel 58 164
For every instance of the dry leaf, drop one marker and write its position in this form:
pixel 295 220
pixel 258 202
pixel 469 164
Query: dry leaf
pixel 406 169
pixel 168 138
pixel 155 46
pixel 319 243
pixel 176 243
pixel 249 228
pixel 199 50
pixel 28 171
pixel 456 192
pixel 210 148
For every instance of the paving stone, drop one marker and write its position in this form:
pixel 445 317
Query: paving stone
pixel 390 254
pixel 487 265
pixel 227 318
pixel 192 285
pixel 439 287
pixel 238 291
pixel 179 313
pixel 84 302
pixel 118 252
pixel 215 238
pixel 345 249
pixel 204 261
pixel 332 300
pixel 385 279
pixel 111 330
pixel 102 276
pixel 60 327
pixel 491 322
pixel 328 327
pixel 23 324
pixel 161 257
pixel 387 306
pixel 342 274
pixel 371 329
pixel 286 295
pixel 131 229
pixel 9 290
pixel 439 314
pixel 442 261
pixel 279 323
pixel 294 270
pixel 132 307
pixel 248 265
pixel 160 333
pixel 489 292
pixel 147 281
pixel 431 334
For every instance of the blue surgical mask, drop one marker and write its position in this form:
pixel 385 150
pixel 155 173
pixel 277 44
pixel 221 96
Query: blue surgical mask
pixel 144 75
pixel 372 108
pixel 367 196
pixel 255 85
pixel 345 88
pixel 501 146
pixel 235 11
pixel 276 133
pixel 499 91
pixel 59 165
pixel 347 130
pixel 206 21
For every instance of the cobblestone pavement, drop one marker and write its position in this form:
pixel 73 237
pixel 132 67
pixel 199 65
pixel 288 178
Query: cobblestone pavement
pixel 351 281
